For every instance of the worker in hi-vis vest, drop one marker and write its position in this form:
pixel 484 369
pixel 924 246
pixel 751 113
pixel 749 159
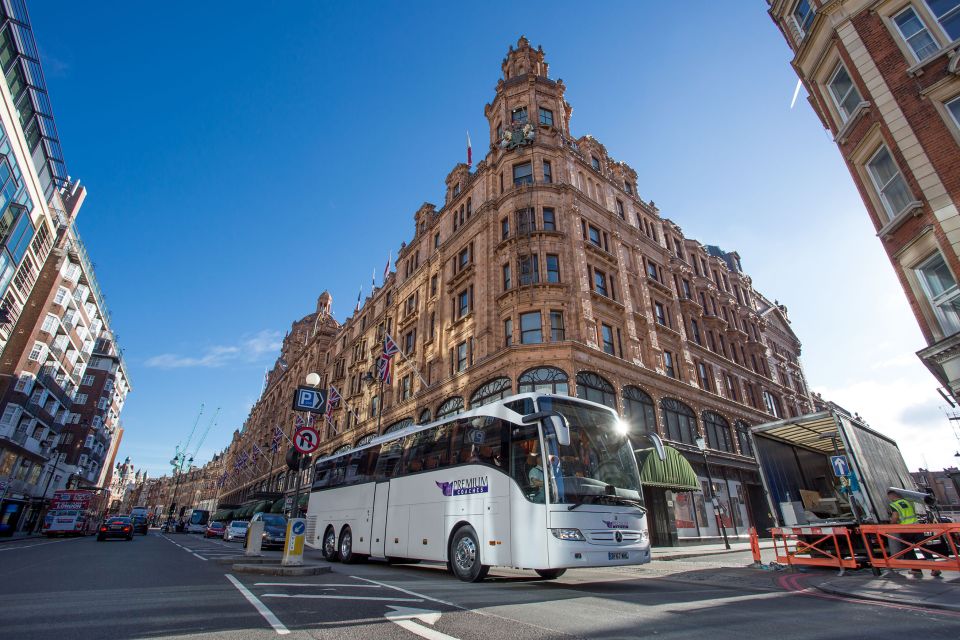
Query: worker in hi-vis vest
pixel 902 511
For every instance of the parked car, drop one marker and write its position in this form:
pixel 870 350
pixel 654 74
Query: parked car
pixel 115 527
pixel 235 531
pixel 214 530
pixel 140 524
pixel 274 529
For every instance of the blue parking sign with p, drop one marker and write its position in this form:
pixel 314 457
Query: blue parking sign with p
pixel 309 399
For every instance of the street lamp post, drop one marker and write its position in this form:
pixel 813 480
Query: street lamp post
pixel 702 445
pixel 313 380
pixel 178 462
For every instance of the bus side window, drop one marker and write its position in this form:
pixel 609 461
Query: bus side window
pixel 339 472
pixel 354 460
pixel 322 474
pixel 524 458
pixel 368 464
pixel 436 447
pixel 388 460
pixel 480 441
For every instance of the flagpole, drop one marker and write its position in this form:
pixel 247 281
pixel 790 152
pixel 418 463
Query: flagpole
pixel 380 406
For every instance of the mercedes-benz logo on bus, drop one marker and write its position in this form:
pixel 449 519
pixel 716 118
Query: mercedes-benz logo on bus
pixel 618 536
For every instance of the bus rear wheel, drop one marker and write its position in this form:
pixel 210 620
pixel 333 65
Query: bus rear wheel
pixel 347 556
pixel 464 556
pixel 330 553
pixel 550 574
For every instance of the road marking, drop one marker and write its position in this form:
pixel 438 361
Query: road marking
pixel 259 606
pixel 310 584
pixel 401 616
pixel 199 556
pixel 39 544
pixel 412 593
pixel 323 597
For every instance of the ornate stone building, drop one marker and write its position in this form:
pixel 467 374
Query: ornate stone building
pixel 544 268
pixel 882 76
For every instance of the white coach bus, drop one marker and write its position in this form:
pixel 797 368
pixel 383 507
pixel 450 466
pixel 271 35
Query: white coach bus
pixel 472 491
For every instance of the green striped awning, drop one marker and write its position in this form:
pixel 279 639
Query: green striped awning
pixel 674 472
pixel 277 506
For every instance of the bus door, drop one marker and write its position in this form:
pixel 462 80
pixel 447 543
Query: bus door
pixel 379 533
pixel 528 508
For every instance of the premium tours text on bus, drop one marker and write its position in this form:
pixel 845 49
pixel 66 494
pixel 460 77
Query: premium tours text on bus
pixel 532 481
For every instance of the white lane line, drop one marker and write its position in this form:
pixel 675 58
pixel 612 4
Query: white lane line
pixel 199 556
pixel 320 585
pixel 39 544
pixel 422 631
pixel 413 593
pixel 323 597
pixel 260 607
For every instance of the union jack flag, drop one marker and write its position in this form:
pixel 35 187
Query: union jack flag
pixel 222 479
pixel 298 423
pixel 257 451
pixel 333 399
pixel 277 437
pixel 242 461
pixel 384 369
pixel 390 347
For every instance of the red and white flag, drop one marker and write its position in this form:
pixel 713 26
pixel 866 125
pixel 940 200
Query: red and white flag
pixel 469 151
pixel 386 269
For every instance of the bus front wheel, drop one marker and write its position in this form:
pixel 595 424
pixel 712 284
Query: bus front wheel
pixel 465 556
pixel 550 574
pixel 330 553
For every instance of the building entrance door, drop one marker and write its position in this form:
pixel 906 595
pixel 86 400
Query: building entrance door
pixel 663 529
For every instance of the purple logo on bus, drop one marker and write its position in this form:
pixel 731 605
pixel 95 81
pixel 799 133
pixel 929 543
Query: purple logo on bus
pixel 480 484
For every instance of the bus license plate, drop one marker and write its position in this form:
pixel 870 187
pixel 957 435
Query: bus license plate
pixel 618 555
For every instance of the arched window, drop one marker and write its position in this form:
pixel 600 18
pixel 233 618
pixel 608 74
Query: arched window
pixel 424 416
pixel 338 450
pixel 365 439
pixel 592 387
pixel 490 391
pixel 679 421
pixel 718 432
pixel 450 407
pixel 743 438
pixel 546 379
pixel 400 424
pixel 638 409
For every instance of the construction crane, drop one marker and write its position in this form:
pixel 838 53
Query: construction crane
pixel 203 436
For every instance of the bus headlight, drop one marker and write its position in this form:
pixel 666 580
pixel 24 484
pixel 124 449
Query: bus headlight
pixel 644 535
pixel 567 534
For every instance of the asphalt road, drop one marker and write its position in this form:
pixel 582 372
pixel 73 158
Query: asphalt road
pixel 173 587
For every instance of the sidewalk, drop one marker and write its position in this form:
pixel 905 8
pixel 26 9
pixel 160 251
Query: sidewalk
pixel 899 589
pixel 694 551
pixel 20 535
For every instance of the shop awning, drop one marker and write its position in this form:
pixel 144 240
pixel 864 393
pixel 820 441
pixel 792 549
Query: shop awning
pixel 277 506
pixel 674 472
pixel 262 506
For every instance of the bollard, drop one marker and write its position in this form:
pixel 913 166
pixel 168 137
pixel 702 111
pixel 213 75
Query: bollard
pixel 293 544
pixel 254 538
pixel 755 546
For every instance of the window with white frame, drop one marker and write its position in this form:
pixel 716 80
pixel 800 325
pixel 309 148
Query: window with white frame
pixel 62 294
pixel 49 323
pixel 947 13
pixel 889 182
pixel 24 383
pixel 953 107
pixel 87 380
pixel 915 33
pixel 38 351
pixel 81 398
pixel 803 14
pixel 941 290
pixel 844 92
pixel 10 415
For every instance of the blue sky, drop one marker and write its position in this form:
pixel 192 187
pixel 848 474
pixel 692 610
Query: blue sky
pixel 242 157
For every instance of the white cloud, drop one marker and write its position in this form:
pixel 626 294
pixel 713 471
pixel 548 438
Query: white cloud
pixel 250 348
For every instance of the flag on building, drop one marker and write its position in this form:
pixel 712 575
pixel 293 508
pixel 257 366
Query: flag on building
pixel 469 151
pixel 257 451
pixel 333 399
pixel 283 364
pixel 373 280
pixel 359 295
pixel 298 423
pixel 390 347
pixel 386 269
pixel 277 437
pixel 384 368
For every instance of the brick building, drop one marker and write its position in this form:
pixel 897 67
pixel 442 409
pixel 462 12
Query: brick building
pixel 882 77
pixel 544 268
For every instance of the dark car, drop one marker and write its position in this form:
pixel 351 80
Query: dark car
pixel 215 530
pixel 115 527
pixel 274 529
pixel 140 524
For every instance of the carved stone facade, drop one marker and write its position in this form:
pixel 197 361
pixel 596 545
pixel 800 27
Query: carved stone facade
pixel 883 78
pixel 544 268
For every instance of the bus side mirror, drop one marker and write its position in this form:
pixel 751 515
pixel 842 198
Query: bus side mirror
pixel 553 423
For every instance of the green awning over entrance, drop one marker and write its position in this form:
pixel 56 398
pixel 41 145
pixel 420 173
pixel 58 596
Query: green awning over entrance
pixel 672 473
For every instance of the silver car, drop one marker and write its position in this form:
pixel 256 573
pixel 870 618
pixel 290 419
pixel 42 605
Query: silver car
pixel 236 531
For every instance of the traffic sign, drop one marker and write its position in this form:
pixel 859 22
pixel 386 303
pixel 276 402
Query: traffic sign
pixel 840 466
pixel 310 399
pixel 306 440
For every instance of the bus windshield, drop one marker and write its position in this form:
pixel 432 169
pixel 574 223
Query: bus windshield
pixel 598 466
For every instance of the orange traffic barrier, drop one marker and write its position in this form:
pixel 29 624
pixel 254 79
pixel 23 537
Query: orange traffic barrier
pixel 814 546
pixel 755 545
pixel 896 546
